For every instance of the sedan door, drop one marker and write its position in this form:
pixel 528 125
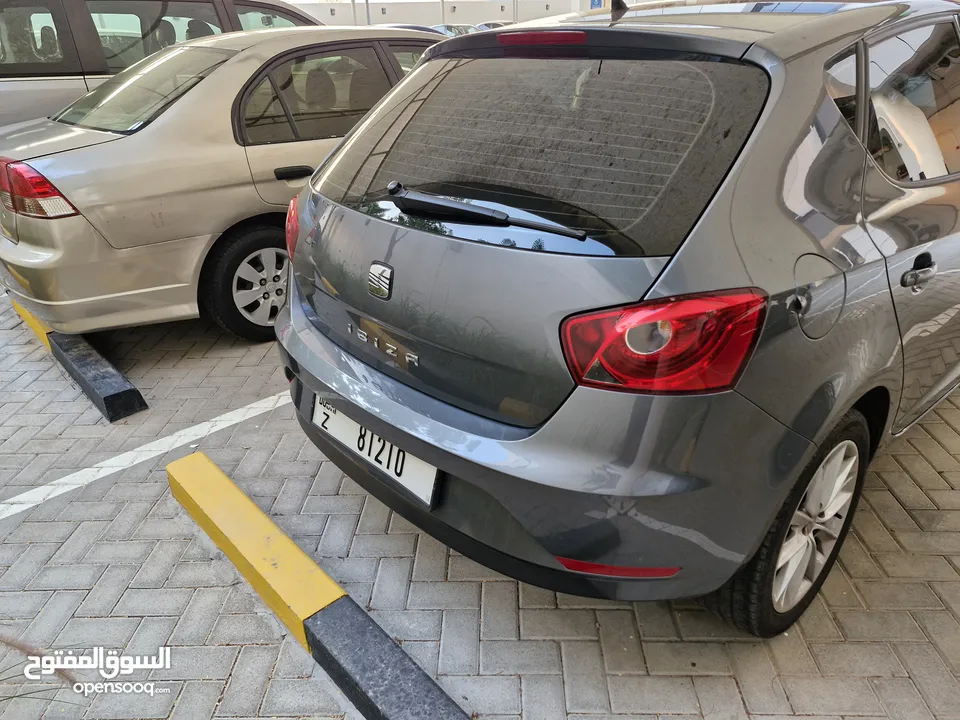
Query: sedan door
pixel 297 111
pixel 911 199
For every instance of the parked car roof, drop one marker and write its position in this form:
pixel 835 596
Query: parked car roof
pixel 292 37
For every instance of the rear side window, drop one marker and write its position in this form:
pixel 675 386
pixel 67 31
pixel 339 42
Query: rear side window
pixel 130 30
pixel 133 98
pixel 34 40
pixel 628 151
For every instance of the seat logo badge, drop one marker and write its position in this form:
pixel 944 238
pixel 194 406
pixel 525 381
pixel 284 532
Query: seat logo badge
pixel 380 281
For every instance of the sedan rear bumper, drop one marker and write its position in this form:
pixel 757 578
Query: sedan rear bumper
pixel 610 478
pixel 68 276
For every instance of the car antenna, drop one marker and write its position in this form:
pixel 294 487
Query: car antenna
pixel 618 8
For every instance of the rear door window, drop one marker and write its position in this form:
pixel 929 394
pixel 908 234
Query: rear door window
pixel 35 40
pixel 324 93
pixel 627 151
pixel 133 98
pixel 259 17
pixel 130 30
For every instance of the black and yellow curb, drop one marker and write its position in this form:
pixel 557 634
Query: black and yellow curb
pixel 106 387
pixel 375 674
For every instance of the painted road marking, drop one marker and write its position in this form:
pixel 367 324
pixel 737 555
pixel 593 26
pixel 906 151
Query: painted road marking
pixel 82 478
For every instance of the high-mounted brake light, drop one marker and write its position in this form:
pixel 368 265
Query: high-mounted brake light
pixel 543 37
pixel 293 227
pixel 623 571
pixel 687 344
pixel 26 192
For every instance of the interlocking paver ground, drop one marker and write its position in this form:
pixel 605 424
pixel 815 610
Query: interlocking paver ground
pixel 119 564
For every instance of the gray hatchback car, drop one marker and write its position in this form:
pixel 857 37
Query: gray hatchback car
pixel 624 304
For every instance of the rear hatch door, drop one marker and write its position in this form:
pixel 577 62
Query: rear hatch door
pixel 614 157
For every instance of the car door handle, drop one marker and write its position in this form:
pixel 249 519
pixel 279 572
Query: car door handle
pixel 294 172
pixel 918 276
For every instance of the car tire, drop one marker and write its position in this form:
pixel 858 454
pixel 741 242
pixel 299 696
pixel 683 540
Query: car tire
pixel 752 599
pixel 222 285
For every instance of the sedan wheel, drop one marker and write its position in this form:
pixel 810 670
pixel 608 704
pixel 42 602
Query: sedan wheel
pixel 260 285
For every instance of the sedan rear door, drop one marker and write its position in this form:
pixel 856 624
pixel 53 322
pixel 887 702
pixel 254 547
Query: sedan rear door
pixel 297 109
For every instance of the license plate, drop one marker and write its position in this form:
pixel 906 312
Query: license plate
pixel 417 476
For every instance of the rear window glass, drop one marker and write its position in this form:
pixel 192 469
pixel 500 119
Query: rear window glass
pixel 628 151
pixel 131 99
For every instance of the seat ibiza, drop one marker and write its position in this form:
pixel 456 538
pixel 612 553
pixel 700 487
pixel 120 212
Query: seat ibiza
pixel 623 304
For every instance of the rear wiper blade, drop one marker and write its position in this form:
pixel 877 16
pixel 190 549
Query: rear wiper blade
pixel 420 203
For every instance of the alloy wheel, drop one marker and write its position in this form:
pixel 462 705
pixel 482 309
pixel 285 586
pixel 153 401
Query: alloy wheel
pixel 815 526
pixel 260 285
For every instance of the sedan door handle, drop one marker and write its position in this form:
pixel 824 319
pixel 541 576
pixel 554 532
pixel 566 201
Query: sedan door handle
pixel 294 172
pixel 915 278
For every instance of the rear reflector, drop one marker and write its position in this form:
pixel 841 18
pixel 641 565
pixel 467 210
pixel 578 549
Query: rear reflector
pixel 686 344
pixel 26 192
pixel 592 568
pixel 292 227
pixel 543 37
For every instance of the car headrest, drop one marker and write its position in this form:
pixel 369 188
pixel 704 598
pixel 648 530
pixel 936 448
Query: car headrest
pixel 198 29
pixel 320 92
pixel 366 89
pixel 166 34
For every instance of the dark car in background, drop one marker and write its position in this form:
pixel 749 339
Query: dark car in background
pixel 637 333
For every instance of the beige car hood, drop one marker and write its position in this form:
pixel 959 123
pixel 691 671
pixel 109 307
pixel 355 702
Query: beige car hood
pixel 36 138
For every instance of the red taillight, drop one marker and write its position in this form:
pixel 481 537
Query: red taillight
pixel 686 344
pixel 26 192
pixel 293 227
pixel 543 37
pixel 625 571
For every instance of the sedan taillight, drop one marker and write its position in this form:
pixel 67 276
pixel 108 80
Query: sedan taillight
pixel 687 344
pixel 26 192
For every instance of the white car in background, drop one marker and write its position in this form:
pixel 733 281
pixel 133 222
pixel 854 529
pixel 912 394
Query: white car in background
pixel 54 51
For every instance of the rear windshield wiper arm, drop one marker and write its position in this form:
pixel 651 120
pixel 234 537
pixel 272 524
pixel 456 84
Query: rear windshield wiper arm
pixel 420 203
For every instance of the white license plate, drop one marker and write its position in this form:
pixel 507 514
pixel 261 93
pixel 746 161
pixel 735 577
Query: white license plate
pixel 411 472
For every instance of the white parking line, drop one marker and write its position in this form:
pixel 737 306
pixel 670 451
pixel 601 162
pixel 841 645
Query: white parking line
pixel 81 478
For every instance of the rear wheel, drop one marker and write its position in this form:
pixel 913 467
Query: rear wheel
pixel 245 282
pixel 772 591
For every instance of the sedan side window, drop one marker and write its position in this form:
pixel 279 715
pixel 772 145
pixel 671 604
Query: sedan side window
pixel 914 119
pixel 327 93
pixel 264 118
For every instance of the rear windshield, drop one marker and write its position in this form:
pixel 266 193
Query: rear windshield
pixel 628 151
pixel 131 99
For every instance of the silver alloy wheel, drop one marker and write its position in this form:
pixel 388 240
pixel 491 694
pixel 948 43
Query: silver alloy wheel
pixel 815 526
pixel 260 285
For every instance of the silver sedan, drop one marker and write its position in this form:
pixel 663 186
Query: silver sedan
pixel 162 194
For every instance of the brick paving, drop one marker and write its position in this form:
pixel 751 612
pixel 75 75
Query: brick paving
pixel 119 564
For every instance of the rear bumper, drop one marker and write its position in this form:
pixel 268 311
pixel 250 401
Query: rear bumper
pixel 66 274
pixel 611 478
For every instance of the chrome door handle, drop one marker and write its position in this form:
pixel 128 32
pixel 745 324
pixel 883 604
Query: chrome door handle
pixel 920 276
